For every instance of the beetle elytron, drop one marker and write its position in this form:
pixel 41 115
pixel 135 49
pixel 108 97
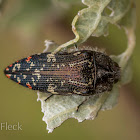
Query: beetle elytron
pixel 81 72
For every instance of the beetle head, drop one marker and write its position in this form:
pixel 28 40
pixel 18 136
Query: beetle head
pixel 107 72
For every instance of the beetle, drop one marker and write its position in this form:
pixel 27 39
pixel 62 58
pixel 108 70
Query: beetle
pixel 83 72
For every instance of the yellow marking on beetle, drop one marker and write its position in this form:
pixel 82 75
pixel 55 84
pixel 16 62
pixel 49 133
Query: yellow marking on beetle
pixel 51 88
pixel 36 70
pixel 24 76
pixel 58 66
pixel 77 53
pixel 19 80
pixel 32 64
pixel 43 65
pixel 15 76
pixel 90 81
pixel 90 64
pixel 76 92
pixel 14 68
pixel 69 93
pixel 51 57
pixel 62 83
pixel 77 63
pixel 34 83
pixel 53 65
pixel 41 69
pixel 63 65
pixel 51 79
pixel 77 83
pixel 37 74
pixel 33 80
pixel 27 69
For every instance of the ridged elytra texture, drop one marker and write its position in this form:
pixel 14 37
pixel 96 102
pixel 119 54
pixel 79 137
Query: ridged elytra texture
pixel 81 72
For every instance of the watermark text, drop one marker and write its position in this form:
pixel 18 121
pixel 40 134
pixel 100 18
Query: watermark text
pixel 7 126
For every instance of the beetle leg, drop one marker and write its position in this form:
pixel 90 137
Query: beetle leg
pixel 76 47
pixel 81 104
pixel 73 49
pixel 48 97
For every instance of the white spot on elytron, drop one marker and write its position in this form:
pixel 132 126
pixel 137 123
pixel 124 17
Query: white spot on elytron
pixel 27 69
pixel 15 76
pixel 51 57
pixel 24 76
pixel 77 83
pixel 62 83
pixel 33 80
pixel 18 79
pixel 58 66
pixel 34 83
pixel 36 70
pixel 32 64
pixel 43 65
pixel 51 88
pixel 41 69
pixel 81 62
pixel 51 79
pixel 14 68
pixel 53 65
pixel 63 65
pixel 76 92
pixel 37 74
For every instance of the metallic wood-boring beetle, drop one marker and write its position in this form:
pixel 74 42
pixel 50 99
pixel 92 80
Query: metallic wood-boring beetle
pixel 81 72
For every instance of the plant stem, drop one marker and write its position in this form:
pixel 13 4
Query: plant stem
pixel 130 47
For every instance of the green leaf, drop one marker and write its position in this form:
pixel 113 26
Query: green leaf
pixel 116 15
pixel 127 73
pixel 119 9
pixel 86 22
pixel 129 20
pixel 112 99
pixel 57 109
pixel 93 21
pixel 102 28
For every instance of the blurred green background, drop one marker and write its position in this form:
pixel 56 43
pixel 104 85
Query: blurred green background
pixel 24 25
